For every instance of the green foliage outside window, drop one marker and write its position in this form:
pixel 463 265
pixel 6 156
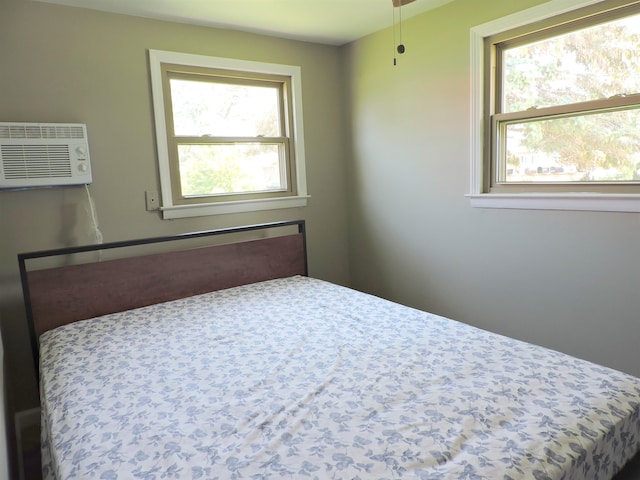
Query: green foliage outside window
pixel 595 63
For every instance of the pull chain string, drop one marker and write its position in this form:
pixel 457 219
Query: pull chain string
pixel 393 12
pixel 400 21
pixel 397 47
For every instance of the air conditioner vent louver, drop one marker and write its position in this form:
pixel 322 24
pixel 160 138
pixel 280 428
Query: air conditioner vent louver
pixel 62 131
pixel 43 154
pixel 35 161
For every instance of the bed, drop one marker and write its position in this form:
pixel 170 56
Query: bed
pixel 254 370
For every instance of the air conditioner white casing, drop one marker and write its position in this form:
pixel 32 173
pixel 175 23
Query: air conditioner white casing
pixel 43 155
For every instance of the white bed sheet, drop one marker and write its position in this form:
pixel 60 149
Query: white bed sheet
pixel 299 378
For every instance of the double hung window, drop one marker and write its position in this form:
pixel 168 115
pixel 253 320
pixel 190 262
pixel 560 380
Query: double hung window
pixel 561 105
pixel 229 134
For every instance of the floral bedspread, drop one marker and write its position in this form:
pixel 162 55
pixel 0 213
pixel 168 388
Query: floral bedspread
pixel 302 379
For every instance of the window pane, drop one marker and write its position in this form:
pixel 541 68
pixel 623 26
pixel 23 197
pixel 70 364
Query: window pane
pixel 589 64
pixel 230 168
pixel 224 110
pixel 602 147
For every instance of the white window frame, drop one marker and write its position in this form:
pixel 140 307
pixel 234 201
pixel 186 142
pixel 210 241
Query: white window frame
pixel 541 201
pixel 168 208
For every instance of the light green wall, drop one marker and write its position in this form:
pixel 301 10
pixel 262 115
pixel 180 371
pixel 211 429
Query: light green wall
pixel 61 64
pixel 567 280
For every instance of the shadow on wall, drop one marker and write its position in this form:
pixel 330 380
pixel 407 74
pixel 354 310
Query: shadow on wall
pixel 4 432
pixel 19 386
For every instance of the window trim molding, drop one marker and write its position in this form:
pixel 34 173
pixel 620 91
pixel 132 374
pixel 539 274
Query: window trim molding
pixel 236 206
pixel 168 209
pixel 541 201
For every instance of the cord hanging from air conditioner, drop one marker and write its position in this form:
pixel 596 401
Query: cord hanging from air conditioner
pixel 95 230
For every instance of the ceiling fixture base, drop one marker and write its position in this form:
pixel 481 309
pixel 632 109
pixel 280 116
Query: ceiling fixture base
pixel 401 3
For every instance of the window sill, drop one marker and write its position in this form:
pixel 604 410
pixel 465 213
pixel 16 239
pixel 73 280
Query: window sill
pixel 203 209
pixel 595 202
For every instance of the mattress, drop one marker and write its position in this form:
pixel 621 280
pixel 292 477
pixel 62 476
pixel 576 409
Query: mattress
pixel 300 378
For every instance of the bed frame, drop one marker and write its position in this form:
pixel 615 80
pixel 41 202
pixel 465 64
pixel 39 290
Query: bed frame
pixel 65 294
pixel 59 295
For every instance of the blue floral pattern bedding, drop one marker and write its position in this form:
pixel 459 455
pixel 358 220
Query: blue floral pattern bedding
pixel 302 379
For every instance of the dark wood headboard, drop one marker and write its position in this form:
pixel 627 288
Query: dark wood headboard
pixel 65 294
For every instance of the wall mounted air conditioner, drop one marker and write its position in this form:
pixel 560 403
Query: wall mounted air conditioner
pixel 43 155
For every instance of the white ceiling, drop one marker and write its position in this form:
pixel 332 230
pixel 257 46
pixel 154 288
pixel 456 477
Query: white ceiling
pixel 333 22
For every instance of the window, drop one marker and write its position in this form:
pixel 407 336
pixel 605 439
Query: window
pixel 558 108
pixel 229 134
